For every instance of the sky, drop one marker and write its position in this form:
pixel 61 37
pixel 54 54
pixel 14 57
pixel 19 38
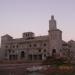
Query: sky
pixel 19 16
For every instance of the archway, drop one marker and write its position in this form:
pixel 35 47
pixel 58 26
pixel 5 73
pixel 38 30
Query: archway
pixel 54 52
pixel 22 54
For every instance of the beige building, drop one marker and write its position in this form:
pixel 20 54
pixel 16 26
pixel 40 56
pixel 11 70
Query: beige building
pixel 31 47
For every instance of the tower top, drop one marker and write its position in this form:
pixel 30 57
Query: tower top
pixel 52 17
pixel 52 23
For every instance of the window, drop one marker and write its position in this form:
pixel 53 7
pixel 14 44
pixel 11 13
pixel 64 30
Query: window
pixel 39 50
pixel 13 46
pixel 40 57
pixel 30 45
pixel 6 54
pixel 30 57
pixel 26 34
pixel 13 51
pixel 44 55
pixel 35 57
pixel 9 51
pixel 16 46
pixel 44 44
pixel 6 46
pixel 35 45
pixel 44 50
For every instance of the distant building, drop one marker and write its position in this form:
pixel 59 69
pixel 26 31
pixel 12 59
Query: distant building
pixel 68 50
pixel 31 47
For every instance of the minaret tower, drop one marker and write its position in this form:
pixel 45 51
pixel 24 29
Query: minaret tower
pixel 55 38
pixel 52 23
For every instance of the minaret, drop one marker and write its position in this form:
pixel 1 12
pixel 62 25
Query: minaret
pixel 55 38
pixel 52 23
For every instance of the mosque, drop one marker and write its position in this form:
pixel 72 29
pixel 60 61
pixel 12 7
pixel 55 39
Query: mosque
pixel 31 47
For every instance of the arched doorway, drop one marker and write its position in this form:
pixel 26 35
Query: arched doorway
pixel 54 52
pixel 22 54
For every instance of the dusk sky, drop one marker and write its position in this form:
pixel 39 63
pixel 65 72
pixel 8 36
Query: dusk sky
pixel 18 16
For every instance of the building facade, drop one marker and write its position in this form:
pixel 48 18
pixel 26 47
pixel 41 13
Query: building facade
pixel 31 47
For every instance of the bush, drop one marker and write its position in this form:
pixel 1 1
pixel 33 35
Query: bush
pixel 53 61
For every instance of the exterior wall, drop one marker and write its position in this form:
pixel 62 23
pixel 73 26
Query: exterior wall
pixel 55 41
pixel 33 47
pixel 55 38
pixel 30 47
